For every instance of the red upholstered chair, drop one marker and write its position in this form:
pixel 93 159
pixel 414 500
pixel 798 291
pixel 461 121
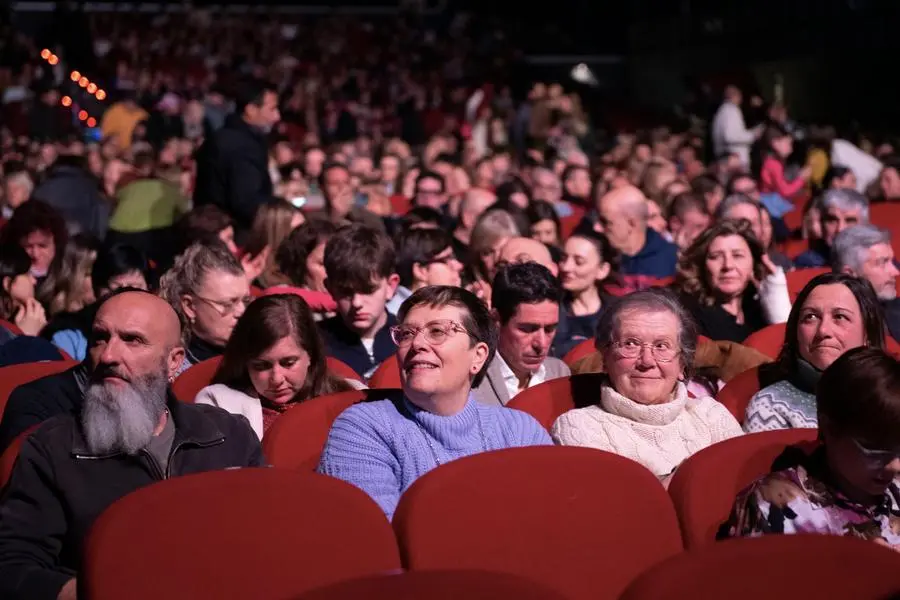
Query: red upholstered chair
pixel 794 248
pixel 736 394
pixel 798 278
pixel 581 521
pixel 547 401
pixel 387 375
pixel 580 350
pixel 244 533
pixel 11 327
pixel 9 456
pixel 705 485
pixel 187 385
pixel 342 369
pixel 296 439
pixel 793 220
pixel 768 340
pixel 777 567
pixel 13 376
pixel 436 585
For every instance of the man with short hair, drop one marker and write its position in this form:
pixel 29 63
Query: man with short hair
pixel 622 216
pixel 729 133
pixel 17 188
pixel 525 305
pixel 340 199
pixel 522 249
pixel 866 252
pixel 687 219
pixel 430 191
pixel 424 257
pixel 475 201
pixel 129 433
pixel 233 163
pixel 839 209
pixel 359 266
pixel 740 207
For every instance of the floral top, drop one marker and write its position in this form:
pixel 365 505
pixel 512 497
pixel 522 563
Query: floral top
pixel 800 499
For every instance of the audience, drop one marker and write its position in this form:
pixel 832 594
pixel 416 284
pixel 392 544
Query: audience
pixel 17 302
pixel 424 257
pixel 644 412
pixel 834 313
pixel 838 210
pixel 445 341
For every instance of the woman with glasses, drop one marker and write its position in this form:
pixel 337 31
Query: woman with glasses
pixel 445 340
pixel 648 341
pixel 208 289
pixel 848 485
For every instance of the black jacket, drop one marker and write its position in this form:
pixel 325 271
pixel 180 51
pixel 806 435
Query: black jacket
pixel 33 403
pixel 75 193
pixel 345 345
pixel 58 488
pixel 233 171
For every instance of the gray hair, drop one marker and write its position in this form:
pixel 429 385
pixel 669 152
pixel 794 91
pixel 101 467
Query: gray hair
pixel 21 179
pixel 845 200
pixel 851 245
pixel 652 300
pixel 731 201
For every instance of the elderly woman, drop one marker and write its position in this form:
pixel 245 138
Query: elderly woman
pixel 209 290
pixel 729 284
pixel 848 485
pixel 445 341
pixel 273 360
pixel 648 342
pixel 834 313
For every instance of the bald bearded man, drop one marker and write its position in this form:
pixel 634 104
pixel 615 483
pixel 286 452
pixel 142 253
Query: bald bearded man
pixel 130 432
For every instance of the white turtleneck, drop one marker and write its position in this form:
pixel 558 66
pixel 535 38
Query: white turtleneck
pixel 659 436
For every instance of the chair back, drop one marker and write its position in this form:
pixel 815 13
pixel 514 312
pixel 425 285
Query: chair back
pixel 9 456
pixel 341 369
pixel 767 340
pixel 547 401
pixel 11 327
pixel 386 375
pixel 296 439
pixel 547 513
pixel 243 533
pixel 13 376
pixel 735 395
pixel 798 278
pixel 706 484
pixel 579 351
pixel 775 567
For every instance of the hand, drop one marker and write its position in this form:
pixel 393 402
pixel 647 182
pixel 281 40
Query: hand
pixel 255 265
pixel 805 172
pixel 768 264
pixel 69 591
pixel 482 289
pixel 30 317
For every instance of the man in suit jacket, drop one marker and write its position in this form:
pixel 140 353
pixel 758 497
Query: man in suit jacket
pixel 525 302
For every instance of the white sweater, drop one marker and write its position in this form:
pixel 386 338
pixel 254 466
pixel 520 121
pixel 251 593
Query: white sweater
pixel 659 436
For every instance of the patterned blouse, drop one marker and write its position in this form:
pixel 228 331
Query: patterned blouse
pixel 800 499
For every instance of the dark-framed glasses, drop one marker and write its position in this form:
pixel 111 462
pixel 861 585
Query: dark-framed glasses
pixel 876 458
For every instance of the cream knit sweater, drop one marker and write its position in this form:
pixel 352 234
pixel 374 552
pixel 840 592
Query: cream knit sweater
pixel 658 436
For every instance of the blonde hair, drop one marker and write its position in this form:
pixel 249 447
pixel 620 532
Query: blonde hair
pixel 492 226
pixel 271 226
pixel 71 289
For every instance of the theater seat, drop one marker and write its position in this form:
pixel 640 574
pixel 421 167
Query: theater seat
pixel 245 533
pixel 547 401
pixel 767 340
pixel 13 376
pixel 705 486
pixel 736 394
pixel 798 278
pixel 387 375
pixel 776 567
pixel 581 521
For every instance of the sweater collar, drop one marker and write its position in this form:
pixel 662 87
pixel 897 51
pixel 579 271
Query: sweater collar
pixel 653 414
pixel 445 429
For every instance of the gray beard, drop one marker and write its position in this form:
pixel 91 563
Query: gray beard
pixel 118 418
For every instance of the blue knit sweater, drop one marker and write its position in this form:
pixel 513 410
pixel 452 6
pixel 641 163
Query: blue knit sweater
pixel 381 447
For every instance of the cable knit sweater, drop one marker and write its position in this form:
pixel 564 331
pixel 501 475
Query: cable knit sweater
pixel 383 447
pixel 659 436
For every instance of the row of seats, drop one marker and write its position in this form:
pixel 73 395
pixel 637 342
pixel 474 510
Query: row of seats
pixel 578 523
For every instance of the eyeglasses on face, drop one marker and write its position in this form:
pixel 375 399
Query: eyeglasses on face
pixel 226 307
pixel 662 351
pixel 436 332
pixel 876 458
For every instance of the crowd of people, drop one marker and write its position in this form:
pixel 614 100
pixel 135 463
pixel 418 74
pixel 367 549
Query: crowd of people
pixel 273 212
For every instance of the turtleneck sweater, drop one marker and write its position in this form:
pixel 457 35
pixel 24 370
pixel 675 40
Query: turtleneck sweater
pixel 383 447
pixel 658 436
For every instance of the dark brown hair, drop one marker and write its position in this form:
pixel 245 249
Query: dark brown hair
pixel 859 396
pixel 32 216
pixel 293 252
pixel 355 257
pixel 691 277
pixel 266 321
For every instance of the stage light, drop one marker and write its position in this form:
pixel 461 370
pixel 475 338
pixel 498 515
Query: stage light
pixel 53 59
pixel 82 115
pixel 92 122
pixel 75 76
pixel 83 82
pixel 66 101
pixel 45 54
pixel 91 88
pixel 101 94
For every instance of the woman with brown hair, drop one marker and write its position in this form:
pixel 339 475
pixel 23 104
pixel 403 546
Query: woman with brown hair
pixel 729 284
pixel 274 222
pixel 274 360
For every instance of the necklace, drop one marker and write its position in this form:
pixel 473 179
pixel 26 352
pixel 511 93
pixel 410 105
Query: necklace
pixel 434 455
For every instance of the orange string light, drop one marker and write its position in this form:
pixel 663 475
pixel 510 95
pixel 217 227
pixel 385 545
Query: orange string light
pixel 66 101
pixel 45 54
pixel 92 122
pixel 75 76
pixel 101 94
pixel 53 59
pixel 83 82
pixel 82 115
pixel 91 88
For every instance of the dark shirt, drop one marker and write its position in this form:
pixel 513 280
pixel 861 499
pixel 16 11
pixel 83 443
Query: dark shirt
pixel 717 324
pixel 33 403
pixel 345 344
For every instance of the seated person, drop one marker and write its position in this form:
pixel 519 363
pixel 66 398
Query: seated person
pixel 644 413
pixel 300 259
pixel 523 249
pixel 865 251
pixel 729 285
pixel 359 263
pixel 18 304
pixel 209 291
pixel 848 485
pixel 274 360
pixel 526 311
pixel 445 340
pixel 838 210
pixel 130 433
pixel 833 313
pixel 424 257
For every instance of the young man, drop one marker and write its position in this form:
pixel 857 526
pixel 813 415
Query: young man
pixel 424 257
pixel 359 265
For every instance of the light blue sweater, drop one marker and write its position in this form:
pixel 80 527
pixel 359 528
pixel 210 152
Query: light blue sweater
pixel 380 447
